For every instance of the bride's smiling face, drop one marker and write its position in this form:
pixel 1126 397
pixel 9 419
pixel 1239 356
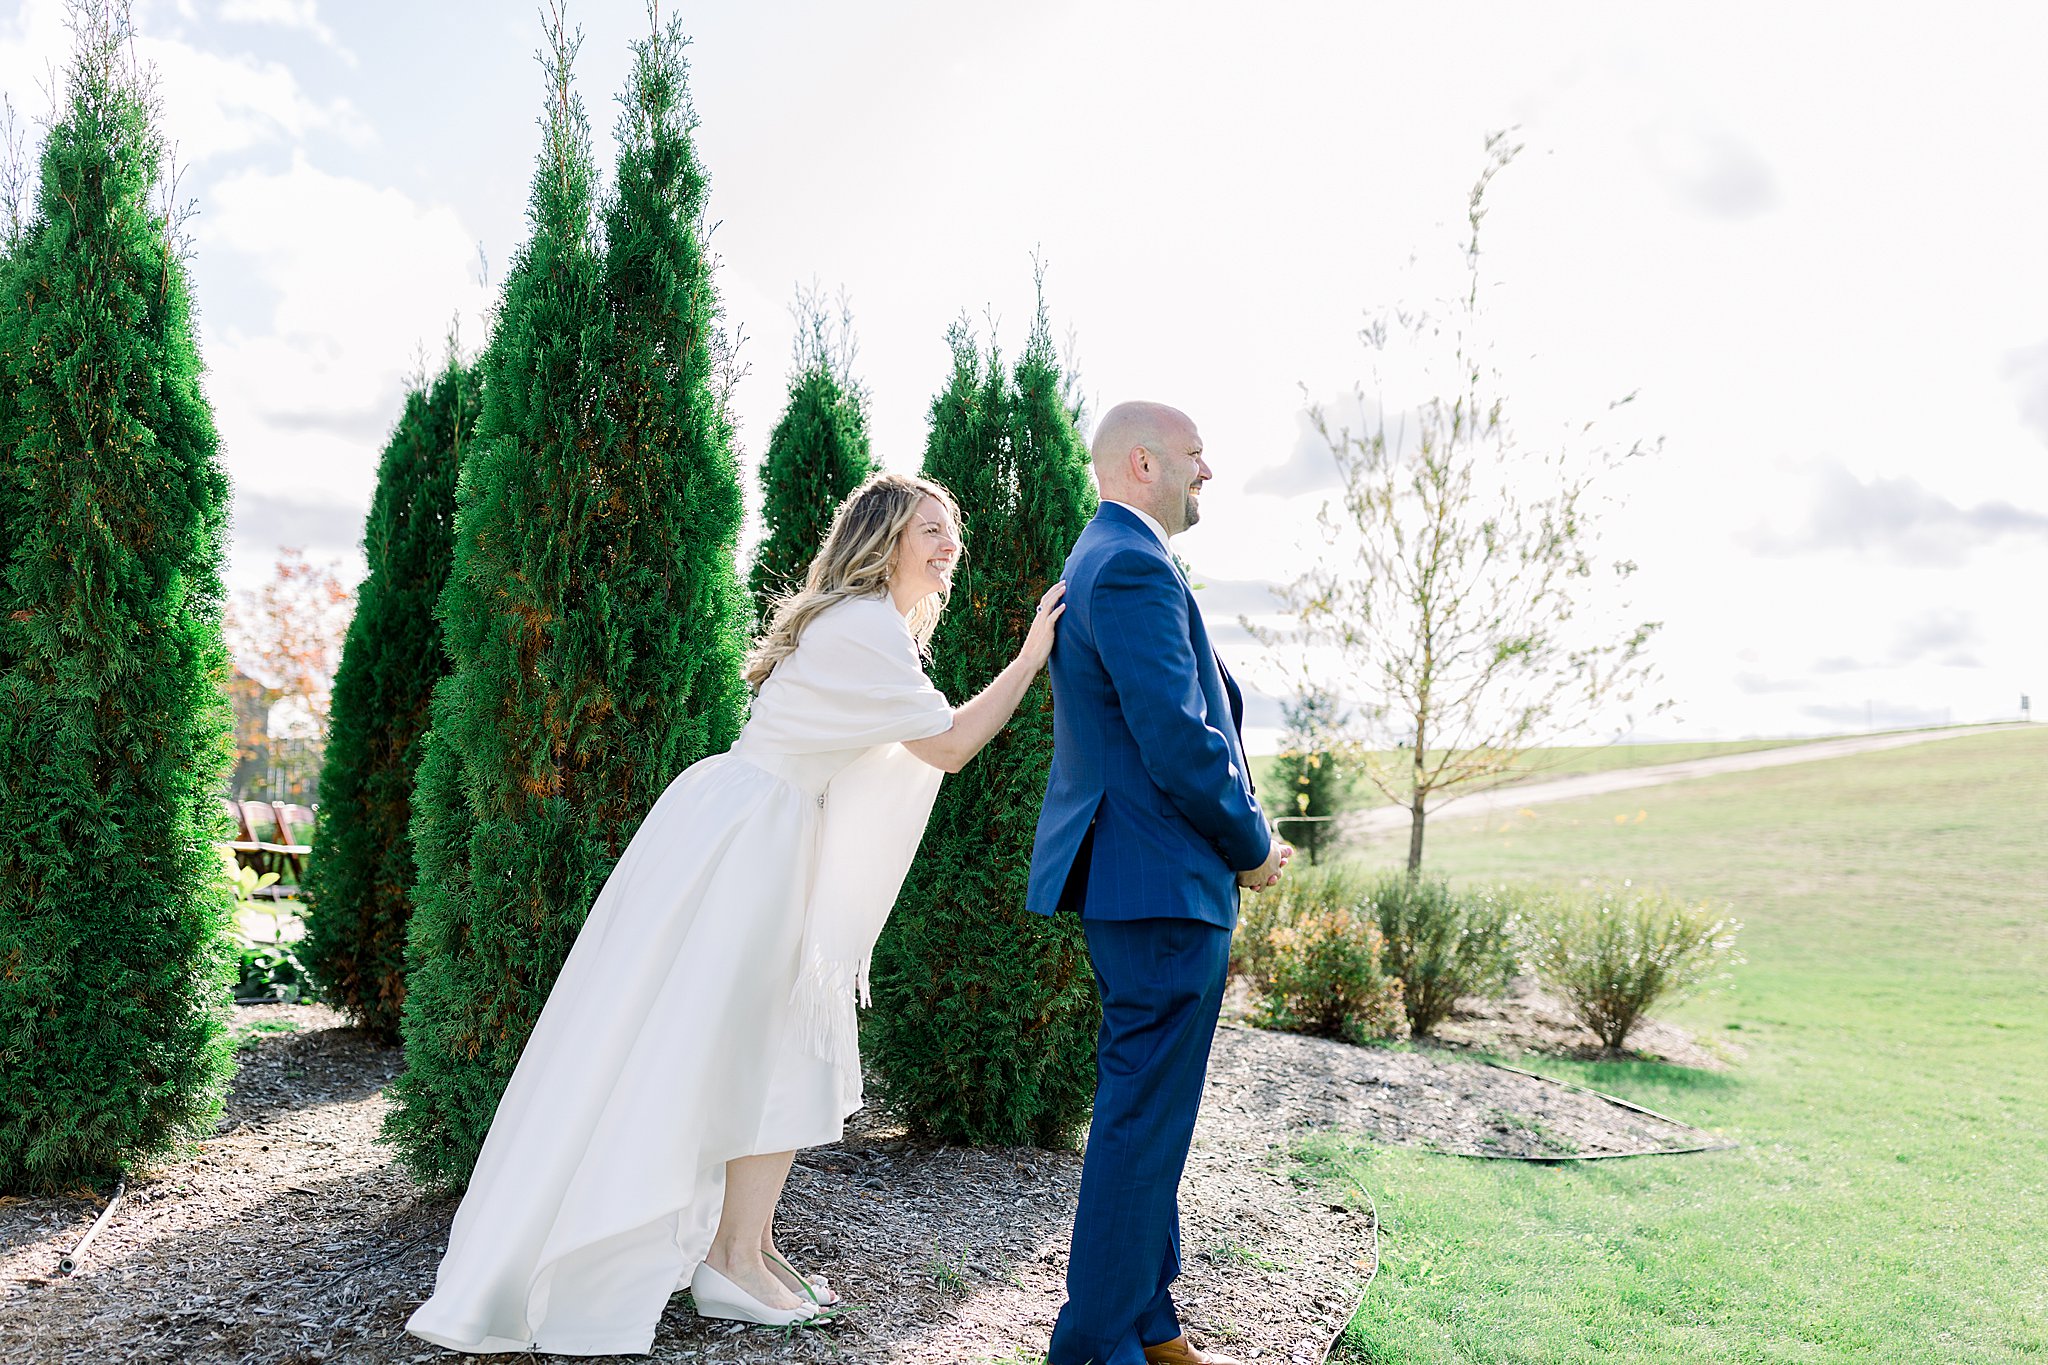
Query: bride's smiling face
pixel 925 555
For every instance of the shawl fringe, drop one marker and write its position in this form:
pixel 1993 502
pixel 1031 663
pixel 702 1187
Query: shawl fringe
pixel 822 1004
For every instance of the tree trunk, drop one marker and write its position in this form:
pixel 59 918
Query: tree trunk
pixel 1418 789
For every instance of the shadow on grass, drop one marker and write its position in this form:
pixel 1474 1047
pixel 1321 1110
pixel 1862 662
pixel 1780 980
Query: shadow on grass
pixel 1623 1074
pixel 1609 1073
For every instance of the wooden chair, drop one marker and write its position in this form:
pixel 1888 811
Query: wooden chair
pixel 243 845
pixel 260 819
pixel 291 819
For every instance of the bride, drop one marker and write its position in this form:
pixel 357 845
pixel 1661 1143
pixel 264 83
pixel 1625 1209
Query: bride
pixel 703 1027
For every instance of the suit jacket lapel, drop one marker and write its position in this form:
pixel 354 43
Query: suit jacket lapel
pixel 1233 701
pixel 1230 690
pixel 1199 631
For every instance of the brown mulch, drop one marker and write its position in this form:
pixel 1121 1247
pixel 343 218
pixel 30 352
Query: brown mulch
pixel 1425 1099
pixel 292 1236
pixel 1528 1020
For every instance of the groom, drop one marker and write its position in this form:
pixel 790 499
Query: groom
pixel 1149 829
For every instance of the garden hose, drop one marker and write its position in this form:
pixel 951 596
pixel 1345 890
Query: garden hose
pixel 1560 1157
pixel 69 1262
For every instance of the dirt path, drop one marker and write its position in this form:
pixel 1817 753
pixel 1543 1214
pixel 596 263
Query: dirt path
pixel 1365 825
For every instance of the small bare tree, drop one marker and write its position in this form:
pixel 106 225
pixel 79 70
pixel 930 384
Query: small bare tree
pixel 1455 564
pixel 286 639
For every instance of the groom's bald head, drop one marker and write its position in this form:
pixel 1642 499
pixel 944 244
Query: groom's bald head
pixel 1150 455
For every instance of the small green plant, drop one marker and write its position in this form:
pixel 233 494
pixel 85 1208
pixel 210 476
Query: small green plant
pixel 1313 950
pixel 247 883
pixel 1442 944
pixel 268 968
pixel 1613 952
pixel 1242 1255
pixel 268 972
pixel 249 1034
pixel 948 1276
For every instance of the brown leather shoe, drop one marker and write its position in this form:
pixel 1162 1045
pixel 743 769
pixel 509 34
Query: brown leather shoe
pixel 1179 1352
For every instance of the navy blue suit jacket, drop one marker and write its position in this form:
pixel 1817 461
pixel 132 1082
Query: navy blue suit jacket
pixel 1149 810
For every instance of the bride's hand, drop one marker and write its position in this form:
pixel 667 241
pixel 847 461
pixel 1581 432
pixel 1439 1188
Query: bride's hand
pixel 1038 644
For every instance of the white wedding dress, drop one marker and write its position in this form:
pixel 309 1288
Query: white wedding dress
pixel 706 1011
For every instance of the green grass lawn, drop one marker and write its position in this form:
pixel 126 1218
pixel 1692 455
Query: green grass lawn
pixel 1561 761
pixel 1889 1197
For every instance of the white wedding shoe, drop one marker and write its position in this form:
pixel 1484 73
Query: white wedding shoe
pixel 820 1289
pixel 816 1286
pixel 718 1297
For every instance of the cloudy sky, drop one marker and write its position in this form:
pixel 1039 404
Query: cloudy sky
pixel 1810 238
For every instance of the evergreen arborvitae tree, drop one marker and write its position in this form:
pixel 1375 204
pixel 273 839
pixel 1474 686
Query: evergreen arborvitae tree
pixel 359 883
pixel 594 617
pixel 1306 770
pixel 817 455
pixel 114 732
pixel 670 530
pixel 14 174
pixel 983 1027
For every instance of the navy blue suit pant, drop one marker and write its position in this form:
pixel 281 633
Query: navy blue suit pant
pixel 1162 987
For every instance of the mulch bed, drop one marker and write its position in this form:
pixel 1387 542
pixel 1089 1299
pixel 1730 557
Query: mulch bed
pixel 1529 1020
pixel 293 1236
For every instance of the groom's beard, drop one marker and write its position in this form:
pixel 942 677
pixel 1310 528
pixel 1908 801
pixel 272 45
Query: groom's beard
pixel 1193 513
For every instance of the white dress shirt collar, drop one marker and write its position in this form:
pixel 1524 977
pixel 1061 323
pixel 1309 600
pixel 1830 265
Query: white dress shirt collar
pixel 1147 518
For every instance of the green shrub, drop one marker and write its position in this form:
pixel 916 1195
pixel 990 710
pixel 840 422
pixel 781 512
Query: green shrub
pixel 1299 892
pixel 817 454
pixel 985 1016
pixel 1313 950
pixel 115 736
pixel 267 968
pixel 268 971
pixel 1442 944
pixel 1613 952
pixel 592 613
pixel 360 883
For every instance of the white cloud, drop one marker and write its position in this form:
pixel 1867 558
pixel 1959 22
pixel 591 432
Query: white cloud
pixel 1794 267
pixel 1711 169
pixel 33 50
pixel 289 14
pixel 320 527
pixel 1226 599
pixel 1947 632
pixel 2028 370
pixel 362 279
pixel 216 104
pixel 1310 467
pixel 1756 684
pixel 1900 519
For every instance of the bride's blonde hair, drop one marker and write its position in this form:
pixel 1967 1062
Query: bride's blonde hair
pixel 855 561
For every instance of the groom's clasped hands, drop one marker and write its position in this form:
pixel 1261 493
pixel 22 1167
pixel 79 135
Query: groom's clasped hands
pixel 1267 874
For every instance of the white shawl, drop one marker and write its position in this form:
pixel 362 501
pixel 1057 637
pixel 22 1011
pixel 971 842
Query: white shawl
pixel 853 683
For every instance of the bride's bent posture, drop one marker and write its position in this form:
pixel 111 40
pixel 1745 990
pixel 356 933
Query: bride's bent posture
pixel 703 1028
